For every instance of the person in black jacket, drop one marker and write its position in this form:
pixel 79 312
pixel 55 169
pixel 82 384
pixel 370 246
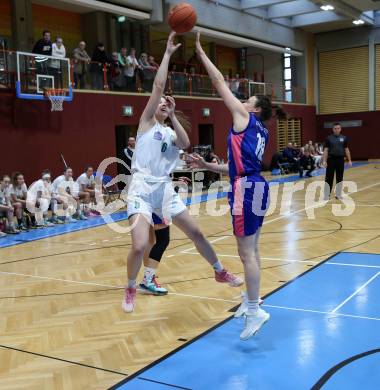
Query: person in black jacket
pixel 98 60
pixel 44 45
pixel 306 163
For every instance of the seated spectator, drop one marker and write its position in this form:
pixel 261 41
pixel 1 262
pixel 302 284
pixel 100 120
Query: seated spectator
pixel 318 148
pixel 98 62
pixel 18 192
pixel 58 51
pixel 307 164
pixel 147 72
pixel 86 182
pixel 227 80
pixel 235 85
pixel 289 157
pixel 130 70
pixel 39 198
pixel 66 193
pixel 195 81
pixel 6 208
pixel 115 73
pixel 81 59
pixel 296 150
pixel 153 63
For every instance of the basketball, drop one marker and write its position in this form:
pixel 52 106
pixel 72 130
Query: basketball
pixel 182 18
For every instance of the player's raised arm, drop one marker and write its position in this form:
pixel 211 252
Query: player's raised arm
pixel 147 117
pixel 239 113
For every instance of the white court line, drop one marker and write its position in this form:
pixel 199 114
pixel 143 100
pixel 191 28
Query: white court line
pixel 356 292
pixel 109 286
pixel 299 261
pixel 322 312
pixel 292 213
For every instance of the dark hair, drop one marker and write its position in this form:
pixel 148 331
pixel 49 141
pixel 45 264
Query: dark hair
pixel 66 169
pixel 45 31
pixel 265 103
pixel 4 176
pixel 336 124
pixel 87 167
pixel 46 172
pixel 15 175
pixel 100 44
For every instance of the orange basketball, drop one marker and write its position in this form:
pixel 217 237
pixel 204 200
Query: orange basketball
pixel 182 18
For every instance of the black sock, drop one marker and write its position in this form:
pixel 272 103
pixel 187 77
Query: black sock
pixel 33 219
pixel 19 221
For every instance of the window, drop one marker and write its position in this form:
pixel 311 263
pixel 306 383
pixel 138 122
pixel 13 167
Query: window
pixel 288 131
pixel 288 77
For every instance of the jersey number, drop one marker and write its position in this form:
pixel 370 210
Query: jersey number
pixel 164 147
pixel 260 146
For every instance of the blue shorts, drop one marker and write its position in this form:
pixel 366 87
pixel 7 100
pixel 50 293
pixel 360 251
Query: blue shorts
pixel 249 201
pixel 156 219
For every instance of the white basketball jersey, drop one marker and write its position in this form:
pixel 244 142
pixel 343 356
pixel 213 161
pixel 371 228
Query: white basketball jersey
pixel 156 155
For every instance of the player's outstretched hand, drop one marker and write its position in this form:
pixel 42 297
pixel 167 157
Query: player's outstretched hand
pixel 196 161
pixel 171 47
pixel 198 45
pixel 170 104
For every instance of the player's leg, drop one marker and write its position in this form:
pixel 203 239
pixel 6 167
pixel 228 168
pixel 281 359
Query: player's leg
pixel 186 223
pixel 140 242
pixel 249 255
pixel 158 242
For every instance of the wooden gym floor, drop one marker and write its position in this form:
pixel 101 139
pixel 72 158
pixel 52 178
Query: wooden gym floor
pixel 61 323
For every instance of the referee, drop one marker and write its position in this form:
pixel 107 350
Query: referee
pixel 333 155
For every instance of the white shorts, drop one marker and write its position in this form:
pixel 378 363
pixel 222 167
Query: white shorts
pixel 158 198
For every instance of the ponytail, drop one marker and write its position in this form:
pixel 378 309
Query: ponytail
pixel 265 103
pixel 182 119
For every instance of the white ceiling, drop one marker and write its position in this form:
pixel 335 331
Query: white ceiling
pixel 307 14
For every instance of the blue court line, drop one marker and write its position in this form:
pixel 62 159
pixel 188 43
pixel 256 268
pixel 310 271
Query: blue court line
pixel 57 230
pixel 300 345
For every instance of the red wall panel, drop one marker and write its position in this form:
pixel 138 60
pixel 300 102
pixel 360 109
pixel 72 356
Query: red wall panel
pixel 33 138
pixel 364 142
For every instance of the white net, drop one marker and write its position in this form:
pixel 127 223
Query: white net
pixel 56 97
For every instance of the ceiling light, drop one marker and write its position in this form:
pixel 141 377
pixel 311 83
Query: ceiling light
pixel 288 48
pixel 358 22
pixel 121 19
pixel 327 7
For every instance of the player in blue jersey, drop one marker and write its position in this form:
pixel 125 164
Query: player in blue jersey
pixel 249 197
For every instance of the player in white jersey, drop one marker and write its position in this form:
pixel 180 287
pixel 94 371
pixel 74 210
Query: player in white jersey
pixel 66 193
pixel 151 190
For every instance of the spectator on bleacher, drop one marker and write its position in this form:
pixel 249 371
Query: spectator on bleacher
pixel 39 198
pixel 98 62
pixel 58 51
pixel 176 78
pixel 130 70
pixel 307 164
pixel 81 60
pixel 122 57
pixel 6 208
pixel 44 45
pixel 147 72
pixel 153 63
pixel 195 81
pixel 289 157
pixel 86 182
pixel 296 150
pixel 235 84
pixel 66 193
pixel 115 73
pixel 18 192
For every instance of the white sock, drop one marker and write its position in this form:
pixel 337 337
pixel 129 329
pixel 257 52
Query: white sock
pixel 131 283
pixel 253 306
pixel 149 273
pixel 217 266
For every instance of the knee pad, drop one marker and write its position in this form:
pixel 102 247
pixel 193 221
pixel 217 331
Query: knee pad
pixel 162 242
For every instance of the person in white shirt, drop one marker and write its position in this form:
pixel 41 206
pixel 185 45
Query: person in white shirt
pixel 66 193
pixel 6 208
pixel 87 192
pixel 58 51
pixel 39 199
pixel 130 71
pixel 18 192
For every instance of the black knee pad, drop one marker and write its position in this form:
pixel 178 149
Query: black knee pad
pixel 162 242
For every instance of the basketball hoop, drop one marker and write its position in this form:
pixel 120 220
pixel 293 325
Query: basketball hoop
pixel 56 97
